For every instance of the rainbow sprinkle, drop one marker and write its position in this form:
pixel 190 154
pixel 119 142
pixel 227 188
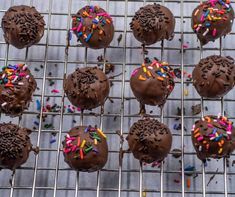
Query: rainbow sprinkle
pixel 82 147
pixel 158 70
pixel 219 129
pixel 211 12
pixel 11 76
pixel 99 19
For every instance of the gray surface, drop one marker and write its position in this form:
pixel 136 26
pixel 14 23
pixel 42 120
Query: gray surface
pixel 126 55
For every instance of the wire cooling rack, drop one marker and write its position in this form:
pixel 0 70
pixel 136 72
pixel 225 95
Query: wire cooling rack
pixel 46 174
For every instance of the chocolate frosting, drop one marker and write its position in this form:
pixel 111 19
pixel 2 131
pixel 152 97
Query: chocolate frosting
pixel 149 140
pixel 85 148
pixel 213 137
pixel 93 27
pixel 153 23
pixel 87 87
pixel 152 83
pixel 15 146
pixel 214 76
pixel 23 26
pixel 17 85
pixel 212 19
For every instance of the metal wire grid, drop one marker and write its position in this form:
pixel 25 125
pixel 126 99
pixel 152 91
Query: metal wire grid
pixel 120 191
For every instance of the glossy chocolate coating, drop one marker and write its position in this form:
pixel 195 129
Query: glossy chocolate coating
pixel 212 20
pixel 214 76
pixel 23 26
pixel 87 87
pixel 152 83
pixel 17 86
pixel 213 137
pixel 153 23
pixel 149 140
pixel 93 27
pixel 94 154
pixel 15 146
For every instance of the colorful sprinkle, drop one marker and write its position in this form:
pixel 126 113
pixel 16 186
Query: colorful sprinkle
pixel 195 14
pixel 98 21
pixel 88 37
pixel 142 78
pixel 81 154
pixel 95 141
pixel 55 91
pixel 4 104
pixel 219 129
pixel 88 149
pixel 101 133
pixel 38 103
pixel 211 12
pixel 160 78
pixel 83 143
pixel 79 141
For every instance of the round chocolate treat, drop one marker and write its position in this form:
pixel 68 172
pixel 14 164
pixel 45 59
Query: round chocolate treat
pixel 153 23
pixel 23 26
pixel 93 27
pixel 214 76
pixel 212 19
pixel 87 87
pixel 15 146
pixel 214 137
pixel 152 83
pixel 85 148
pixel 17 85
pixel 149 140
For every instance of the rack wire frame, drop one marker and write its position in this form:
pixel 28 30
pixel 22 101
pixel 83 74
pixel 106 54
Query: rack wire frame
pixel 102 114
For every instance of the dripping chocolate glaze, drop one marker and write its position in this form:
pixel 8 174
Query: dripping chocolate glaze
pixel 23 26
pixel 214 76
pixel 149 140
pixel 153 23
pixel 87 87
